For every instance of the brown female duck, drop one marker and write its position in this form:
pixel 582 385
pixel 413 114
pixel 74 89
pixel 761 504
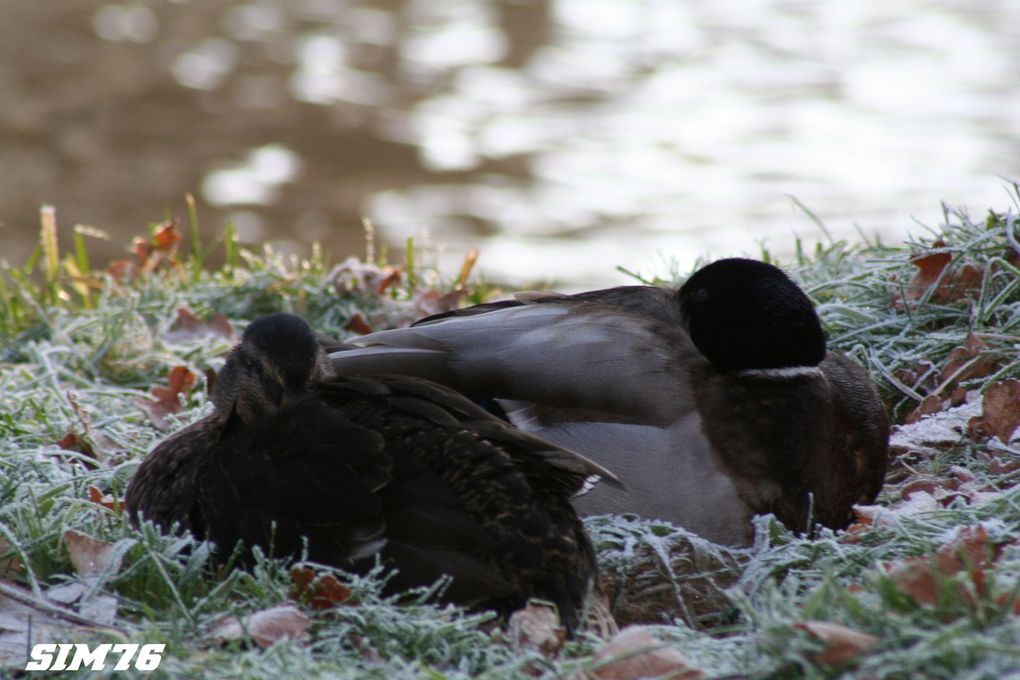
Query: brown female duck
pixel 355 470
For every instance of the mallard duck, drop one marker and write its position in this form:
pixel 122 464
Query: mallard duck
pixel 355 470
pixel 711 403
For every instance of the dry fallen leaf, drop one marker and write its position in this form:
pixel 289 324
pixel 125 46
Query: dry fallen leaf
pixel 160 250
pixel 74 442
pixel 106 500
pixel 26 620
pixel 92 559
pixel 353 274
pixel 970 551
pixel 536 628
pixel 1000 411
pixel 167 236
pixel 430 302
pixel 104 446
pixel 121 269
pixel 91 556
pixel 841 643
pixel 391 277
pixel 187 326
pixel 931 264
pixel 141 248
pixel 970 360
pixel 180 381
pixel 10 562
pixel 265 627
pixel 322 591
pixel 929 405
pixel 635 653
pixel 999 467
pixel 358 324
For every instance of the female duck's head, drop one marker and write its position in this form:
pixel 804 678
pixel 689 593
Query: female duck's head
pixel 276 361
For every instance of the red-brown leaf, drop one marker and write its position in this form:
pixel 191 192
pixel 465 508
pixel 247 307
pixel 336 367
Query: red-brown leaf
pixel 72 442
pixel 972 360
pixel 10 562
pixel 1000 411
pixel 970 551
pixel 187 326
pixel 924 484
pixel 121 269
pixel 322 591
pixel 167 236
pixel 358 324
pixel 842 644
pixel 929 405
pixel 430 302
pixel 180 381
pixel 142 250
pixel 931 265
pixel 106 500
pixel 392 276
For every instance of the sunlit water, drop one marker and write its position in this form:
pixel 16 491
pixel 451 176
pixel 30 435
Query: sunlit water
pixel 562 138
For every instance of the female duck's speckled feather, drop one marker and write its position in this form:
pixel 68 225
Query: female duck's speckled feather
pixel 356 469
pixel 711 403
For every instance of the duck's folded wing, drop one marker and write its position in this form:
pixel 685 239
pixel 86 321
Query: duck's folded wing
pixel 601 357
pixel 545 464
pixel 163 490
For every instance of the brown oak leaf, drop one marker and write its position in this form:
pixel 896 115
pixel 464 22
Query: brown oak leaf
pixel 969 552
pixel 105 500
pixel 90 556
pixel 970 360
pixel 842 644
pixel 320 591
pixel 1000 411
pixel 358 324
pixel 931 265
pixel 187 326
pixel 179 383
pixel 635 653
pixel 265 627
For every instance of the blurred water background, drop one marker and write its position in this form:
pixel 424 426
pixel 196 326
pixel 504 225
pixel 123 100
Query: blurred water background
pixel 561 137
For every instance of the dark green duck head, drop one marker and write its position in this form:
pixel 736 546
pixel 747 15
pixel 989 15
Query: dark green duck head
pixel 744 314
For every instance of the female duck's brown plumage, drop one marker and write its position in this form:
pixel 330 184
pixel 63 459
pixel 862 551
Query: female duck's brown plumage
pixel 360 469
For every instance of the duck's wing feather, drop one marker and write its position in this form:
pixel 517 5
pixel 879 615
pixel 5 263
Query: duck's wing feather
pixel 564 352
pixel 544 463
pixel 163 489
pixel 673 474
pixel 514 486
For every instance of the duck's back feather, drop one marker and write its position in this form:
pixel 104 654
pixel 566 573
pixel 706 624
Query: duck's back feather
pixel 565 353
